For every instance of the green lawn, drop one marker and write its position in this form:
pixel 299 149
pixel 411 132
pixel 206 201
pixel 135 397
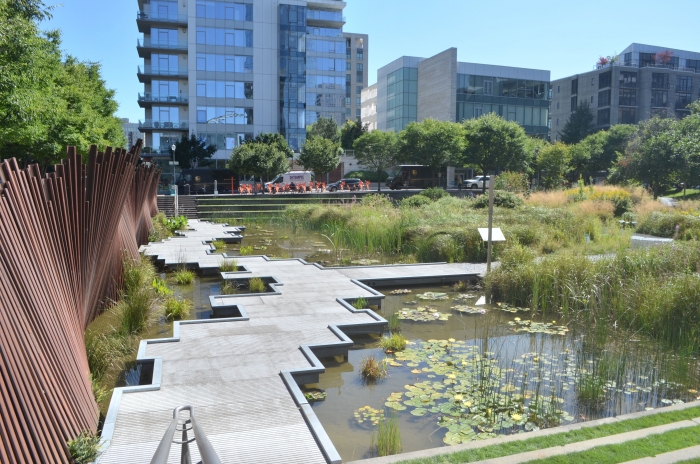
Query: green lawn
pixel 587 433
pixel 690 194
pixel 652 445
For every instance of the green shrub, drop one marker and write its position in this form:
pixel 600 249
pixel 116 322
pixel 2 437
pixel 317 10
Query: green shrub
pixel 360 303
pixel 416 201
pixel 230 265
pixel 376 200
pixel 256 285
pixel 393 342
pixel 661 224
pixel 135 308
pixel 367 175
pixel 500 198
pixel 618 197
pixel 220 245
pixel 175 223
pixel 246 250
pixel 176 309
pixel 516 182
pixel 161 287
pixel 229 287
pixel 84 448
pixel 434 193
pixel 184 276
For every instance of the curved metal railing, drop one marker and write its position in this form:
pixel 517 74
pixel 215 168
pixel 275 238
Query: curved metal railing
pixel 206 451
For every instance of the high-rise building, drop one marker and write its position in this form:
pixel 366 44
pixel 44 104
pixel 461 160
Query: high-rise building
pixel 357 49
pixel 227 70
pixel 413 89
pixel 131 132
pixel 642 82
pixel 369 107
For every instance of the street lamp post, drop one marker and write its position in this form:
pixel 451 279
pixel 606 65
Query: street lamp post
pixel 173 163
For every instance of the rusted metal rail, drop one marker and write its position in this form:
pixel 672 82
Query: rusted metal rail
pixel 61 242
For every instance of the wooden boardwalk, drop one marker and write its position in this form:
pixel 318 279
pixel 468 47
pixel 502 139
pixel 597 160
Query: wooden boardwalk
pixel 229 370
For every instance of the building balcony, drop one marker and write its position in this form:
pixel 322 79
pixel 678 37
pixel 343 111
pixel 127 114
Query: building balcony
pixel 148 99
pixel 684 89
pixel 150 125
pixel 682 105
pixel 660 86
pixel 147 46
pixel 321 18
pixel 326 4
pixel 149 72
pixel 145 20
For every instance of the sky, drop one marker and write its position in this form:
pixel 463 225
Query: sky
pixel 565 37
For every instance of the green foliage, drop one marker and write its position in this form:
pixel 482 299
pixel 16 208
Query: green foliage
pixel 516 182
pixel 416 201
pixel 247 250
pixel 371 176
pixel 500 198
pixel 184 276
pixel 319 155
pixel 394 342
pixel 259 159
pixel 387 441
pixel 618 197
pixel 193 151
pixel 359 303
pixel 230 265
pixel 351 131
pixel 579 125
pixel 160 287
pixel 229 287
pixel 256 285
pixel 432 143
pixel 600 151
pixel 219 245
pixel 174 224
pixel 377 150
pixel 663 224
pixel 377 200
pixel 103 352
pixel 98 390
pixel 84 448
pixel 553 163
pixel 176 309
pixel 135 308
pixel 277 140
pixel 160 230
pixel 325 128
pixel 492 142
pixel 371 369
pixel 434 193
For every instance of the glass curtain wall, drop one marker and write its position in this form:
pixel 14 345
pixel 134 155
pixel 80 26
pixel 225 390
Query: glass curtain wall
pixel 292 68
pixel 402 98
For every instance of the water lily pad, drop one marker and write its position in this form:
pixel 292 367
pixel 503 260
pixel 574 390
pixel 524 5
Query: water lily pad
pixel 511 308
pixel 422 314
pixel 400 291
pixel 315 395
pixel 368 415
pixel 432 296
pixel 468 309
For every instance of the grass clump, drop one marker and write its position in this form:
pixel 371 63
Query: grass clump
pixel 161 287
pixel 103 351
pixel 219 245
pixel 246 250
pixel 176 309
pixel 138 297
pixel 501 198
pixel 84 448
pixel 663 224
pixel 416 201
pixel 184 277
pixel 386 441
pixel 229 287
pixel 228 265
pixel 256 285
pixel 372 370
pixel 359 303
pixel 392 343
pixel 434 193
pixel 164 227
pixel 394 323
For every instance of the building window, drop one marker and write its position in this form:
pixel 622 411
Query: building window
pixel 591 99
pixel 574 103
pixel 647 59
pixel 221 115
pixel 348 78
pixel 359 90
pixel 227 37
pixel 559 89
pixel 224 89
pixel 347 101
pixel 628 97
pixel 348 65
pixel 360 78
pixel 360 55
pixel 224 10
pixel 347 112
pixel 558 105
pixel 574 86
pixel 628 79
pixel 358 114
pixel 659 98
pixel 628 59
pixel 603 98
pixel 358 101
pixel 604 117
pixel 605 80
pixel 682 101
pixel 488 87
pixel 659 81
pixel 557 122
pixel 693 64
pixel 627 116
pixel 360 67
pixel 684 84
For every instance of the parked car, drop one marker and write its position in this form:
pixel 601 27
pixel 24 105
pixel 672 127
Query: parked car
pixel 477 182
pixel 350 184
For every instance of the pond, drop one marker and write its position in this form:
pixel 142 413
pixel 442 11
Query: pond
pixel 473 372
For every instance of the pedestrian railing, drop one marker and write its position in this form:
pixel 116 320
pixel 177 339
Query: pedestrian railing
pixel 206 451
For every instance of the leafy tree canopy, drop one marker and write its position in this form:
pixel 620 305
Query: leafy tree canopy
pixel 259 160
pixel 579 125
pixel 600 151
pixel 553 164
pixel 492 142
pixel 192 151
pixel 319 155
pixel 351 131
pixel 325 128
pixel 276 139
pixel 432 143
pixel 377 150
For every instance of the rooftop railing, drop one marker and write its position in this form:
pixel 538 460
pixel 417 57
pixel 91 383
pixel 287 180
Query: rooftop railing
pixel 173 125
pixel 162 17
pixel 157 98
pixel 150 43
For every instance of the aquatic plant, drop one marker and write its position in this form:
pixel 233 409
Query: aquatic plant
pixel 228 265
pixel 369 416
pixel 184 277
pixel 392 343
pixel 161 287
pixel 359 303
pixel 432 296
pixel 229 287
pixel 464 309
pixel 84 448
pixel 387 439
pixel 256 285
pixel 422 314
pixel 175 308
pixel 220 245
pixel 246 250
pixel 315 395
pixel 371 369
pixel 394 322
pixel 135 308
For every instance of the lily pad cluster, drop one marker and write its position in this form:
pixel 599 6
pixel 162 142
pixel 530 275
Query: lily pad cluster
pixel 422 314
pixel 465 296
pixel 432 296
pixel 538 327
pixel 315 395
pixel 400 291
pixel 512 309
pixel 369 416
pixel 468 309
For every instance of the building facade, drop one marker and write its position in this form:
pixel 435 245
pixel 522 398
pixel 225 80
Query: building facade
pixel 369 107
pixel 227 70
pixel 413 89
pixel 357 49
pixel 644 82
pixel 131 132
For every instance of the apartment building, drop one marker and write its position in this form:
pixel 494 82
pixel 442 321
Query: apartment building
pixel 357 49
pixel 644 81
pixel 369 107
pixel 227 70
pixel 413 89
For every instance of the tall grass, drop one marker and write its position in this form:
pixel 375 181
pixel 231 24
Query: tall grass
pixel 228 265
pixel 138 298
pixel 386 441
pixel 256 285
pixel 176 308
pixel 371 369
pixel 393 342
pixel 359 303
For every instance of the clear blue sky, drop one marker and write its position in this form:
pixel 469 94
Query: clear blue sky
pixel 563 36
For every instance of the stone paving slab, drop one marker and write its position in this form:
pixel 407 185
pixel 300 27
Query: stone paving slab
pixel 240 374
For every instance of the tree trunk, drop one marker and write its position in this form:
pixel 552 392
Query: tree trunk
pixel 379 180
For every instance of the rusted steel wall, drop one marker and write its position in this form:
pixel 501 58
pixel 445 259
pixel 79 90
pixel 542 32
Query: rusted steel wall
pixel 61 243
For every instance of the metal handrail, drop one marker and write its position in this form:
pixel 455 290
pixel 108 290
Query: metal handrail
pixel 206 451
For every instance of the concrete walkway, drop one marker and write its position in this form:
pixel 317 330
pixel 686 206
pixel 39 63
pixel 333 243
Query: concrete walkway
pixel 241 374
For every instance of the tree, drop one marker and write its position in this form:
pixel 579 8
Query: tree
pixel 579 125
pixel 492 142
pixel 600 151
pixel 378 150
pixel 325 128
pixel 687 139
pixel 432 143
pixel 276 139
pixel 191 151
pixel 652 155
pixel 351 131
pixel 319 155
pixel 258 159
pixel 553 163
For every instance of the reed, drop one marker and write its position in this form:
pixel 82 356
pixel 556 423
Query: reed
pixel 219 245
pixel 135 309
pixel 228 265
pixel 246 250
pixel 176 309
pixel 392 343
pixel 256 285
pixel 386 441
pixel 372 370
pixel 359 303
pixel 229 287
pixel 184 277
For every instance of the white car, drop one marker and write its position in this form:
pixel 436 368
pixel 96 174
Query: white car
pixel 477 182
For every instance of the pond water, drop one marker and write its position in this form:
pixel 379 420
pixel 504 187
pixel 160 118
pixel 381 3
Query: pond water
pixel 475 376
